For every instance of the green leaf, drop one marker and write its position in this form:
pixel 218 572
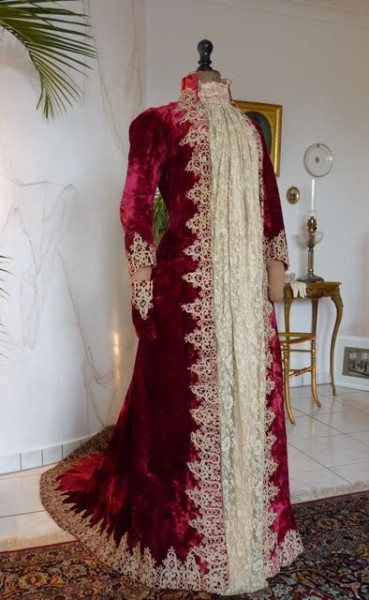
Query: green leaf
pixel 160 217
pixel 56 38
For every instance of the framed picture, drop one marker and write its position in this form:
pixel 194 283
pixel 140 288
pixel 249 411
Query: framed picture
pixel 269 117
pixel 352 362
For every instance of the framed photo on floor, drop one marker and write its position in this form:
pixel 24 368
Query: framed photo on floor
pixel 269 117
pixel 352 362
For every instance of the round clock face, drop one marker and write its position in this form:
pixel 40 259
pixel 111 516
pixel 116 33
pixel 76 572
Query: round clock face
pixel 318 160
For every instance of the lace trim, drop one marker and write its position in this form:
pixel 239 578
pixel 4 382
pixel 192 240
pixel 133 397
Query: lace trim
pixel 276 248
pixel 141 296
pixel 140 255
pixel 275 555
pixel 137 564
pixel 204 381
pixel 214 92
pixel 285 553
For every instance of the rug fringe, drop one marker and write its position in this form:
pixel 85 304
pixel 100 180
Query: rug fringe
pixel 331 492
pixel 22 543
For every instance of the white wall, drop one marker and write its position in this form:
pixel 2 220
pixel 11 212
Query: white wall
pixel 68 339
pixel 312 60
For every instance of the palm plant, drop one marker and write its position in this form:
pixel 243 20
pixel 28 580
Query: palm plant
pixel 56 39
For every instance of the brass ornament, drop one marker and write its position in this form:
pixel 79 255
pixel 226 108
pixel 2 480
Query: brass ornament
pixel 293 194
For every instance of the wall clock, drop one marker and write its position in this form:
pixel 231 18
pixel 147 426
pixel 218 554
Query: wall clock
pixel 318 160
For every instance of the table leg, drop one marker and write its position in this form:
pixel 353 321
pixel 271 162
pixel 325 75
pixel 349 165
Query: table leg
pixel 287 307
pixel 337 300
pixel 314 315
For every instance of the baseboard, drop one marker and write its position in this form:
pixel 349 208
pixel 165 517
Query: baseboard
pixel 32 459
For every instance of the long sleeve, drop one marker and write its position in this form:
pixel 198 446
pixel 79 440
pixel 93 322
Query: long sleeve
pixel 145 160
pixel 275 242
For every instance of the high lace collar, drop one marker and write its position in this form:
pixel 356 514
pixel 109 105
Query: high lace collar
pixel 213 92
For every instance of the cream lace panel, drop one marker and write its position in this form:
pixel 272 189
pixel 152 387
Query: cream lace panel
pixel 141 296
pixel 140 254
pixel 237 237
pixel 276 249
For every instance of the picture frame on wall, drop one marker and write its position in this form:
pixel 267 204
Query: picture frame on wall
pixel 352 362
pixel 269 118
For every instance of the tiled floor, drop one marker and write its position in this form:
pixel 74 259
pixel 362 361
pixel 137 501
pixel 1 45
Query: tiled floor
pixel 328 447
pixel 328 454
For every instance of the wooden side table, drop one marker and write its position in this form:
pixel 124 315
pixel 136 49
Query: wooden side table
pixel 314 292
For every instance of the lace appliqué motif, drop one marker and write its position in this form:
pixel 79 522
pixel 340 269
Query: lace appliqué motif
pixel 141 296
pixel 136 563
pixel 275 556
pixel 204 381
pixel 140 255
pixel 276 248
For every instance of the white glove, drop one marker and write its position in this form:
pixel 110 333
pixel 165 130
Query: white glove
pixel 298 288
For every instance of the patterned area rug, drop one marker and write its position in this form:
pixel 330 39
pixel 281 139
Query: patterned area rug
pixel 335 564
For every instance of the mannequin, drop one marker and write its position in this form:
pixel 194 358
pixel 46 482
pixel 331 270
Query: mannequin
pixel 189 490
pixel 205 72
pixel 276 269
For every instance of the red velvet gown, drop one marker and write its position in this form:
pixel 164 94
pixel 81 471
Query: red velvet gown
pixel 190 489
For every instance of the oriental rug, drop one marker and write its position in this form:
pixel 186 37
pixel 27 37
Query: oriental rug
pixel 335 564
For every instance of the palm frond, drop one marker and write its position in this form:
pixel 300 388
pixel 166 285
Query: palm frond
pixel 2 270
pixel 56 38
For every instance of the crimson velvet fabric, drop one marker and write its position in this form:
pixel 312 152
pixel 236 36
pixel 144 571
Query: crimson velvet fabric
pixel 138 488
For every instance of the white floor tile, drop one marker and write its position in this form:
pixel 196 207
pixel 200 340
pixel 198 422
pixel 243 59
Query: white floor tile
pixel 20 495
pixel 308 407
pixel 326 390
pixel 358 401
pixel 361 436
pixel 306 428
pixel 334 450
pixel 26 472
pixel 354 472
pixel 300 392
pixel 38 524
pixel 303 483
pixel 347 420
pixel 298 461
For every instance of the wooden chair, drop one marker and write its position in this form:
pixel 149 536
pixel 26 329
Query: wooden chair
pixel 288 341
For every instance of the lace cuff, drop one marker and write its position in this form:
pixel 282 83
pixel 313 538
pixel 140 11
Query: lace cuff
pixel 140 255
pixel 141 297
pixel 276 248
